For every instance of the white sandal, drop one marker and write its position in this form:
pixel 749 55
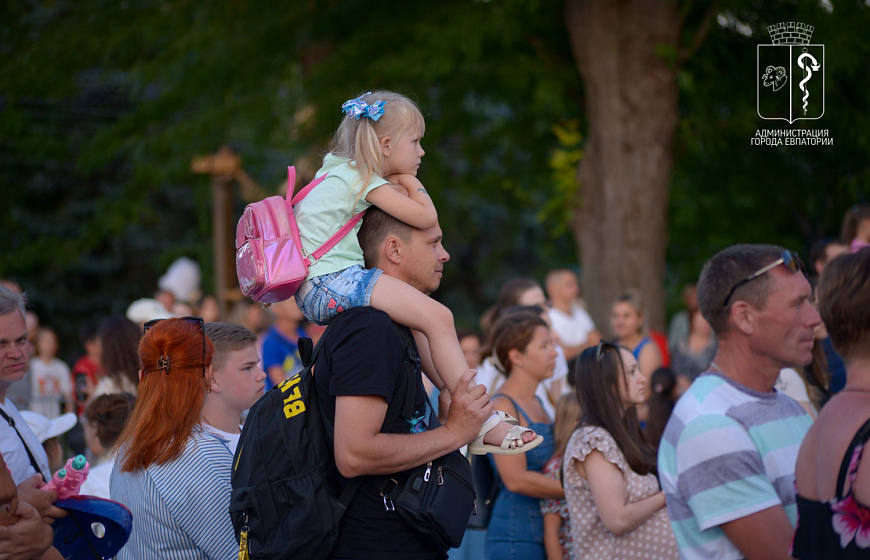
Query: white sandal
pixel 512 443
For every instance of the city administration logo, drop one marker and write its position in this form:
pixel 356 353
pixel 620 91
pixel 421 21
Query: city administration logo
pixel 791 75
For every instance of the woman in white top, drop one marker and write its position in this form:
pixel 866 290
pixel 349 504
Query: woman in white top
pixel 521 292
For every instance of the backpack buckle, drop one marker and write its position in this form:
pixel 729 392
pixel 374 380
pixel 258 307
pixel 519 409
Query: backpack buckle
pixel 385 494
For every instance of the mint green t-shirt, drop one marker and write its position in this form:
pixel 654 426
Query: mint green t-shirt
pixel 327 208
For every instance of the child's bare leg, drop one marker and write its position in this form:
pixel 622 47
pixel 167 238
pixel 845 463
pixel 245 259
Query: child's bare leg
pixel 410 307
pixel 426 363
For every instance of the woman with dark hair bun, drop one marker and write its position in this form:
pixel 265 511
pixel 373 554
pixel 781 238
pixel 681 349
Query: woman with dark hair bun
pixel 617 509
pixel 173 475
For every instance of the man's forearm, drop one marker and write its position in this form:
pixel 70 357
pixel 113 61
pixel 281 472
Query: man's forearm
pixel 390 453
pixel 361 448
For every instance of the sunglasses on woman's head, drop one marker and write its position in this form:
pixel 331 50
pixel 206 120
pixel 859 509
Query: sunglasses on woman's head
pixel 788 258
pixel 603 345
pixel 163 362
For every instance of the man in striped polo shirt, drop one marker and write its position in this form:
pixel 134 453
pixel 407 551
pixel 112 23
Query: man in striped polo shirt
pixel 727 457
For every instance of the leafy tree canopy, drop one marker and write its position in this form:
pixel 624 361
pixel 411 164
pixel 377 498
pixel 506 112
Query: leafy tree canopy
pixel 104 104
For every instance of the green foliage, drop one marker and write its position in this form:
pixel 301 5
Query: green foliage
pixel 104 104
pixel 728 191
pixel 559 209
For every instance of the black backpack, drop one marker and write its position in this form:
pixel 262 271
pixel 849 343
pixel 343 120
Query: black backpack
pixel 286 501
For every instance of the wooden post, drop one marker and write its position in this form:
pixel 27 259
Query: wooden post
pixel 224 166
pixel 223 243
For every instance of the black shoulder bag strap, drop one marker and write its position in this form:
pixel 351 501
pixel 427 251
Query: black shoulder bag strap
pixel 30 456
pixel 408 387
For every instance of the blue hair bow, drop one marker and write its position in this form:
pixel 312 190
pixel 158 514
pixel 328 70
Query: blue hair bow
pixel 358 108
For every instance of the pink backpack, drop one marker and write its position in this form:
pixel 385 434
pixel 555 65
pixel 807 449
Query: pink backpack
pixel 270 261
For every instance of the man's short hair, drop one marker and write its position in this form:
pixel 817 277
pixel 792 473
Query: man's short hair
pixel 844 303
pixel 376 227
pixel 10 301
pixel 724 271
pixel 228 338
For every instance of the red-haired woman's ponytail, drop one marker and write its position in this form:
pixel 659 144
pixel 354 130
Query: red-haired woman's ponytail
pixel 171 394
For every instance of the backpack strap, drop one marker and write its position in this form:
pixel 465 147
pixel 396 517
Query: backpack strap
pixel 404 395
pixel 412 364
pixel 305 346
pixel 294 200
pixel 33 462
pixel 336 237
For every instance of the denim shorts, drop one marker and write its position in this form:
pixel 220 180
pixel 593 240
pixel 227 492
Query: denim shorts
pixel 321 298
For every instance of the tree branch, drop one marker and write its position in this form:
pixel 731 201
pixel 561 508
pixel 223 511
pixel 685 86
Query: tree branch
pixel 701 34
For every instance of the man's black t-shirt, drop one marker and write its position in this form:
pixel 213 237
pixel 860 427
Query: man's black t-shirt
pixel 362 355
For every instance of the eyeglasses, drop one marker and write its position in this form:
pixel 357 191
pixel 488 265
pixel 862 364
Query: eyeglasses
pixel 603 345
pixel 788 258
pixel 163 362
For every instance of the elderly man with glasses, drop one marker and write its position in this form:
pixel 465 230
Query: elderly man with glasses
pixel 727 457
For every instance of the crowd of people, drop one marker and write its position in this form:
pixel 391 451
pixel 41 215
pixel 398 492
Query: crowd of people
pixel 739 434
pixel 590 490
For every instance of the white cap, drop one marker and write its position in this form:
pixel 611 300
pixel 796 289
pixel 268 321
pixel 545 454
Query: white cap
pixel 45 429
pixel 145 309
pixel 182 280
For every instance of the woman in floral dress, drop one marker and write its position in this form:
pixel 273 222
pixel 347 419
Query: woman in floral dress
pixel 617 509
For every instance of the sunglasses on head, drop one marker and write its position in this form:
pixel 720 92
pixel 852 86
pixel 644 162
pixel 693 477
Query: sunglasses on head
pixel 603 345
pixel 788 258
pixel 163 362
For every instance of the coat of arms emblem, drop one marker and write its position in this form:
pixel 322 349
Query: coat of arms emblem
pixel 791 74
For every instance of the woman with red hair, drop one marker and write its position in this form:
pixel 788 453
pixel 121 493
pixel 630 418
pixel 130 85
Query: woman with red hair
pixel 171 474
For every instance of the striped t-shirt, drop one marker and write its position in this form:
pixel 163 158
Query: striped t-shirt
pixel 180 508
pixel 727 452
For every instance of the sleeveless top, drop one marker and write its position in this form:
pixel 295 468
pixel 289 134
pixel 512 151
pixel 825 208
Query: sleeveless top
pixel 535 458
pixel 840 527
pixel 640 346
pixel 515 517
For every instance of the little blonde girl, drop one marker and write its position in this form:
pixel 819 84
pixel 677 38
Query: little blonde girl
pixel 373 160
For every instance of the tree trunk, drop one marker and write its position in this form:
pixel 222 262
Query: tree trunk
pixel 626 51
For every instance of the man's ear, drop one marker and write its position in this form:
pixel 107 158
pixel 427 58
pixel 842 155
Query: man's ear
pixel 386 145
pixel 212 381
pixel 743 317
pixel 393 250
